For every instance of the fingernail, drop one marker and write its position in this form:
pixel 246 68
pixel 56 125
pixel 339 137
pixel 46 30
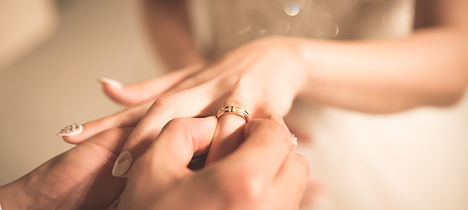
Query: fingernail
pixel 70 130
pixel 110 82
pixel 294 140
pixel 122 164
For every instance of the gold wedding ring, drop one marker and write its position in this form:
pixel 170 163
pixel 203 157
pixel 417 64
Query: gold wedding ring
pixel 235 110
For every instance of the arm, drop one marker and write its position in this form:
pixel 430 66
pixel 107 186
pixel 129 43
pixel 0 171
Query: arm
pixel 427 68
pixel 77 179
pixel 381 76
pixel 169 29
pixel 378 76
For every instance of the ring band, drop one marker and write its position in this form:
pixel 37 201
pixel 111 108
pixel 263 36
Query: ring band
pixel 239 111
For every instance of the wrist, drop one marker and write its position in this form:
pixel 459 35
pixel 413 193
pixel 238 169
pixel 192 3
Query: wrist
pixel 311 54
pixel 297 67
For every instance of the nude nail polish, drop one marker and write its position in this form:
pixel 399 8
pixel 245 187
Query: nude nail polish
pixel 294 140
pixel 70 130
pixel 122 164
pixel 110 82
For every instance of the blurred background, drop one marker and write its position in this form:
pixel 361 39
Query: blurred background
pixel 51 53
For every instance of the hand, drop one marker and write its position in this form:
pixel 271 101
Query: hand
pixel 264 77
pixel 77 179
pixel 263 173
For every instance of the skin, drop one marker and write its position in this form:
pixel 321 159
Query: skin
pixel 80 178
pixel 237 182
pixel 173 18
pixel 77 179
pixel 427 68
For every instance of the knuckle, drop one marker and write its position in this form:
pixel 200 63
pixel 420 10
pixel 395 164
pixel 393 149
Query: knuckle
pixel 237 82
pixel 162 102
pixel 221 182
pixel 241 82
pixel 237 187
pixel 302 162
pixel 246 186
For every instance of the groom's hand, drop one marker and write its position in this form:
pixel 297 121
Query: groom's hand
pixel 263 173
pixel 77 179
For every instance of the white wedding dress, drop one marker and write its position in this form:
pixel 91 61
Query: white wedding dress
pixel 407 161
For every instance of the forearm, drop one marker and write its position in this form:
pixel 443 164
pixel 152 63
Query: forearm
pixel 382 76
pixel 169 30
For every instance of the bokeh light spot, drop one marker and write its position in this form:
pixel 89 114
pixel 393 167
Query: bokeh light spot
pixel 292 8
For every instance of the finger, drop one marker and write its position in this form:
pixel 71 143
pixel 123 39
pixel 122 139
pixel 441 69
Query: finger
pixel 291 181
pixel 111 140
pixel 144 91
pixel 126 118
pixel 229 131
pixel 166 160
pixel 168 157
pixel 184 104
pixel 267 145
pixel 311 193
pixel 228 136
pixel 173 149
pixel 96 157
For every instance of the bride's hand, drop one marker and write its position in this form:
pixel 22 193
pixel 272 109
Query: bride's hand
pixel 263 77
pixel 262 174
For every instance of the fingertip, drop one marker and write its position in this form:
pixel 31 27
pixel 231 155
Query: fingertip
pixel 70 133
pixel 75 138
pixel 122 165
pixel 107 82
pixel 113 89
pixel 70 140
pixel 202 126
pixel 111 92
pixel 120 93
pixel 209 126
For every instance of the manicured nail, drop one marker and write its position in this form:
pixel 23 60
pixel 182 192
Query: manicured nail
pixel 122 164
pixel 110 82
pixel 294 140
pixel 70 130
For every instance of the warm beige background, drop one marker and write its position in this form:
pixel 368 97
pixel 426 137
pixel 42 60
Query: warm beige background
pixel 55 83
pixel 24 24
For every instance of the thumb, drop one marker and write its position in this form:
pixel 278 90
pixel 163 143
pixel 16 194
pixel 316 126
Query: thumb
pixel 176 145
